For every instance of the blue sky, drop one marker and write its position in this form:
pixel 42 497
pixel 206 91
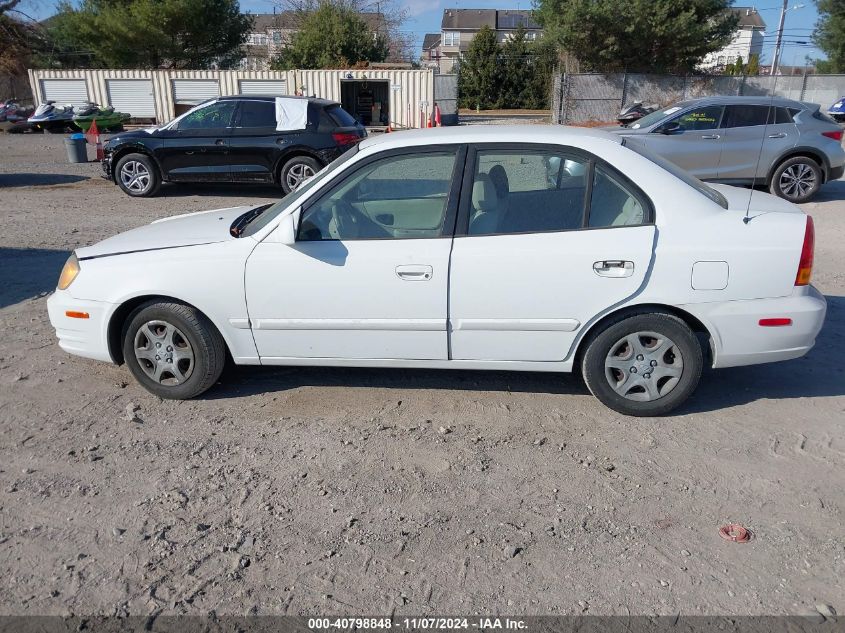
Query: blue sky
pixel 424 17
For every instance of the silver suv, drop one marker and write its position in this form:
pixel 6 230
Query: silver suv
pixel 788 146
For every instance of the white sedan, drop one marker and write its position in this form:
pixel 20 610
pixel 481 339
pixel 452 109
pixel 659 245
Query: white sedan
pixel 508 248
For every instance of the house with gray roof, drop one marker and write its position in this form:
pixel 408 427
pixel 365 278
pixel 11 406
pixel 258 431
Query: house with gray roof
pixel 747 41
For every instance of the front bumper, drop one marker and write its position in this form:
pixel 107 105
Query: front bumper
pixel 82 337
pixel 739 339
pixel 106 165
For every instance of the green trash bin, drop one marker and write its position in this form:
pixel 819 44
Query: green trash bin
pixel 77 152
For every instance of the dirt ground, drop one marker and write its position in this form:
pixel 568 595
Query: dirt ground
pixel 347 491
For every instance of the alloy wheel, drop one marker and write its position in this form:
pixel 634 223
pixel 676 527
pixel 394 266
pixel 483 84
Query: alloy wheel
pixel 297 174
pixel 797 180
pixel 164 353
pixel 135 176
pixel 643 366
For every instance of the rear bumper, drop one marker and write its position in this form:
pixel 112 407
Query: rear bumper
pixel 739 339
pixel 81 337
pixel 836 173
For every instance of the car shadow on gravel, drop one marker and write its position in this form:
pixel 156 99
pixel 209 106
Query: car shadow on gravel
pixel 818 374
pixel 38 180
pixel 28 272
pixel 240 190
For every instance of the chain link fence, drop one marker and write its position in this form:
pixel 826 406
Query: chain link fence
pixel 586 98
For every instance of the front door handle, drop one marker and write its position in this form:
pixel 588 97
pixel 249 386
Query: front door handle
pixel 778 135
pixel 220 141
pixel 711 137
pixel 614 268
pixel 414 272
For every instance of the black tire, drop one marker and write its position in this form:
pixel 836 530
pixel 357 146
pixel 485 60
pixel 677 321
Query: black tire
pixel 138 188
pixel 787 184
pixel 668 392
pixel 189 326
pixel 295 170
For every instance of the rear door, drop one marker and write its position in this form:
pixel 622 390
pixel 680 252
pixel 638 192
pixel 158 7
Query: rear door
pixel 749 140
pixel 696 145
pixel 548 238
pixel 255 143
pixel 197 148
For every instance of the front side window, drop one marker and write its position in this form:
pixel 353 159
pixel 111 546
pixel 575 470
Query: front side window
pixel 705 118
pixel 746 115
pixel 213 116
pixel 520 192
pixel 397 197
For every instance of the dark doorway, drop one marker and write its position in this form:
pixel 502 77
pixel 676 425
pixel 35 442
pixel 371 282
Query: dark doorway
pixel 367 100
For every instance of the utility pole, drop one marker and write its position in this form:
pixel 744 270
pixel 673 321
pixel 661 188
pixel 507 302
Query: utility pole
pixel 779 38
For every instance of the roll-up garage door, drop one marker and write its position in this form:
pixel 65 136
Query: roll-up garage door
pixel 134 96
pixel 195 90
pixel 64 91
pixel 264 87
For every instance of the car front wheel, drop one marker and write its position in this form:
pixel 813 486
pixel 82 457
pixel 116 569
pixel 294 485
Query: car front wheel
pixel 137 175
pixel 797 179
pixel 173 350
pixel 643 365
pixel 296 171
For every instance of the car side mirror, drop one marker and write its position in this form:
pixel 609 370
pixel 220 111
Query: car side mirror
pixel 673 127
pixel 286 231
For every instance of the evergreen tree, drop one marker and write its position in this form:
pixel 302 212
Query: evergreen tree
pixel 479 74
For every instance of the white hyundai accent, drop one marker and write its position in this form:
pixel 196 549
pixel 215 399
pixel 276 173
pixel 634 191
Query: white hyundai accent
pixel 509 248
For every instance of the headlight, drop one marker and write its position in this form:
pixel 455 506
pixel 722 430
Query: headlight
pixel 69 272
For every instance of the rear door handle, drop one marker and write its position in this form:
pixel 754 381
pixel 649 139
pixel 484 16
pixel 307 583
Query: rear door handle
pixel 414 272
pixel 220 141
pixel 711 137
pixel 778 135
pixel 614 268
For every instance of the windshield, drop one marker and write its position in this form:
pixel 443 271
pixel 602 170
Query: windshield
pixel 657 115
pixel 294 197
pixel 676 171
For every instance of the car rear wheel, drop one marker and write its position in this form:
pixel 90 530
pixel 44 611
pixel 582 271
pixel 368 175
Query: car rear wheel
pixel 644 365
pixel 296 171
pixel 137 175
pixel 797 179
pixel 173 350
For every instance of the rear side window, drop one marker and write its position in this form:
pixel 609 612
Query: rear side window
pixel 341 116
pixel 257 114
pixel 612 203
pixel 746 115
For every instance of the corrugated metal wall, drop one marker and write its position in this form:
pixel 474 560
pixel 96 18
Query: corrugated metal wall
pixel 411 91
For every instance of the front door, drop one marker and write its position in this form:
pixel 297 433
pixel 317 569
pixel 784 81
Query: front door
pixel 197 149
pixel 696 144
pixel 546 240
pixel 368 275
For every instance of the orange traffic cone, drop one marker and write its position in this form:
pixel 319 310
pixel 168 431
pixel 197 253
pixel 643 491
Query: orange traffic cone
pixel 437 122
pixel 93 138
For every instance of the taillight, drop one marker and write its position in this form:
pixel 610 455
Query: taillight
pixel 805 264
pixel 836 135
pixel 345 138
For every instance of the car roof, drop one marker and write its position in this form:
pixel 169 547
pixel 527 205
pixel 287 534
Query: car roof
pixel 745 100
pixel 554 134
pixel 264 97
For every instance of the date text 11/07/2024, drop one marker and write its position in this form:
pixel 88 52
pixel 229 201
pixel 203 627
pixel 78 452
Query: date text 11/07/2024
pixel 429 623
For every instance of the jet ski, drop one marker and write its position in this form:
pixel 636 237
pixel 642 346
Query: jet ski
pixel 49 117
pixel 106 118
pixel 13 116
pixel 837 110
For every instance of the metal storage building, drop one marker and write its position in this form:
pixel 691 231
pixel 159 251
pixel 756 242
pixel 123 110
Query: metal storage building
pixel 398 97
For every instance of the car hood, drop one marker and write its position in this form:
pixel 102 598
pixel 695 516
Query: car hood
pixel 133 134
pixel 760 201
pixel 190 229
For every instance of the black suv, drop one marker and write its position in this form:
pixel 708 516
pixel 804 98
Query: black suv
pixel 233 139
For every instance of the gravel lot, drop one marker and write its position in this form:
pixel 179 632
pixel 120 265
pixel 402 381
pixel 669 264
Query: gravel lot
pixel 305 491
